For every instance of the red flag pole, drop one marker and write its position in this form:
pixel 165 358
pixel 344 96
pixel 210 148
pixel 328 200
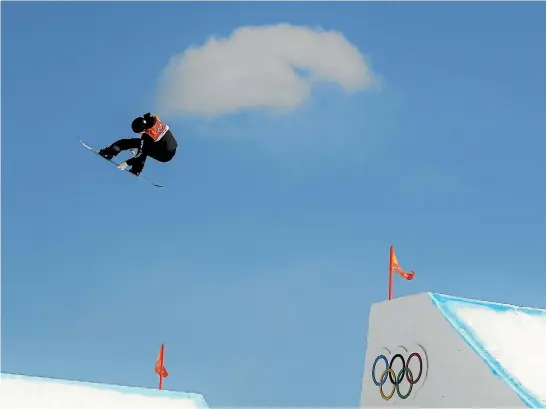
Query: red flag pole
pixel 390 271
pixel 161 361
pixel 160 366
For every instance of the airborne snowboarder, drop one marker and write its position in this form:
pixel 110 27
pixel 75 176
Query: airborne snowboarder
pixel 156 141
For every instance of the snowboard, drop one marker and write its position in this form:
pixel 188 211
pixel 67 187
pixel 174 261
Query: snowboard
pixel 96 152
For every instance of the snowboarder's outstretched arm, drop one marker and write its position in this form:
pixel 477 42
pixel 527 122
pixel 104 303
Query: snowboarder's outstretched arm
pixel 139 160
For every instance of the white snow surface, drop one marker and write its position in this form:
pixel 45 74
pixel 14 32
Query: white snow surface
pixel 22 392
pixel 515 339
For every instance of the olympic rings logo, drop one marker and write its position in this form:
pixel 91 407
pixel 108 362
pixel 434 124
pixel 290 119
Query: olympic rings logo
pixel 395 379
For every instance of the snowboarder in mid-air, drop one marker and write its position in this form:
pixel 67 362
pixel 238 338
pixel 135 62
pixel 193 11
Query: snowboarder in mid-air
pixel 156 141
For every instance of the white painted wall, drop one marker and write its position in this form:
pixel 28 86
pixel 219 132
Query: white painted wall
pixel 453 374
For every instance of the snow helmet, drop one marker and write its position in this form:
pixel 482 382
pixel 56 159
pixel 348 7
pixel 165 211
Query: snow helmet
pixel 139 125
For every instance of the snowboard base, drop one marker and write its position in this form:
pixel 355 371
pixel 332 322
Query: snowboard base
pixel 96 152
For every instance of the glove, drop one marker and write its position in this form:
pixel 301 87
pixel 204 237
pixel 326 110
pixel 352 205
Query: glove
pixel 122 166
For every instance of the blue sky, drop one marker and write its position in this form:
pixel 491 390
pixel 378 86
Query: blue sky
pixel 258 262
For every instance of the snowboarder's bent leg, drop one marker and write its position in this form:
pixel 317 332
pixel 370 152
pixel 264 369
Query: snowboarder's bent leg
pixel 162 155
pixel 120 145
pixel 165 149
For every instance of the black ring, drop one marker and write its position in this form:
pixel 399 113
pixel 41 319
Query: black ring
pixel 393 381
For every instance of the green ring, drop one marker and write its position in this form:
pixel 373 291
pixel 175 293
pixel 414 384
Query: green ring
pixel 399 381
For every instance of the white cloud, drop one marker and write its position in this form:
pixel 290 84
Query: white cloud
pixel 255 68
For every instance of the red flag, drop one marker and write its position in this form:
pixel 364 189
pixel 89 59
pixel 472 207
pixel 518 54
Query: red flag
pixel 159 367
pixel 394 267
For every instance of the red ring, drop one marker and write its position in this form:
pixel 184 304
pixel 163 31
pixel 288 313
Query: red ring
pixel 420 368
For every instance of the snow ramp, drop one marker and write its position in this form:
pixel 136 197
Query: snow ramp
pixel 435 350
pixel 18 391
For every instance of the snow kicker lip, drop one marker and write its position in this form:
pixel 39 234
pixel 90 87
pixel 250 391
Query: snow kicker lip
pixel 196 400
pixel 446 304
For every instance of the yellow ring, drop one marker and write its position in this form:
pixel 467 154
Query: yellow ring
pixel 387 397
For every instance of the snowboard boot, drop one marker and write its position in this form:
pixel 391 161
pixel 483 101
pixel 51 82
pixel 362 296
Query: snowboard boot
pixel 136 168
pixel 134 171
pixel 110 152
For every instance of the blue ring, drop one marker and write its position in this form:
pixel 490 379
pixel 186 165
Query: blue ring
pixel 373 369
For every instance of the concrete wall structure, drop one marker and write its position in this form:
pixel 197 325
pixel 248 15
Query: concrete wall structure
pixel 17 391
pixel 457 353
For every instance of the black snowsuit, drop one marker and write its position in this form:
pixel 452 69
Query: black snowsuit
pixel 162 150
